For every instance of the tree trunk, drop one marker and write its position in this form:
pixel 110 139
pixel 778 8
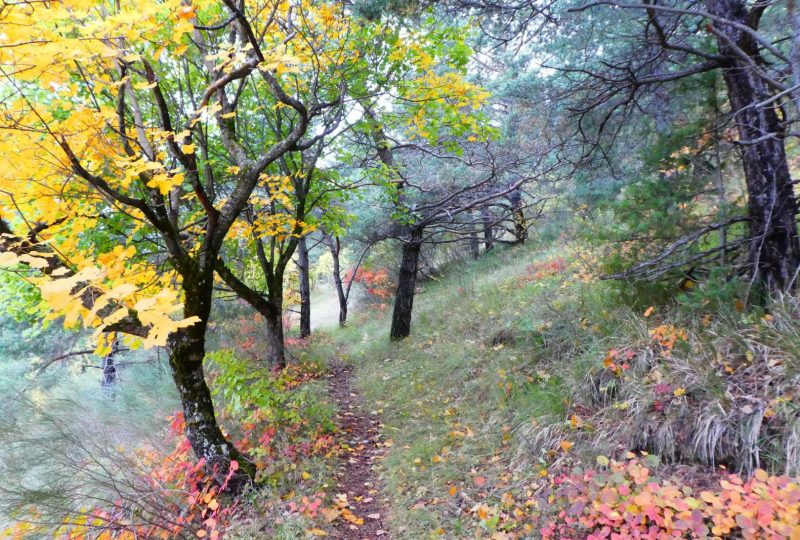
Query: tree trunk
pixel 305 288
pixel 794 55
pixel 774 251
pixel 518 215
pixel 335 248
pixel 109 379
pixel 406 286
pixel 719 179
pixel 276 348
pixel 186 353
pixel 488 233
pixel 520 226
pixel 271 308
pixel 474 243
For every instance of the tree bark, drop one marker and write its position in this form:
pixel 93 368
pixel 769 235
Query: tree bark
pixel 518 215
pixel 335 248
pixel 406 286
pixel 186 353
pixel 276 348
pixel 488 232
pixel 774 251
pixel 305 288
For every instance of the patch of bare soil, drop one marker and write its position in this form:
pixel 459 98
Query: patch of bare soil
pixel 358 496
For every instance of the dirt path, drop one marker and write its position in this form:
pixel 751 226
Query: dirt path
pixel 358 496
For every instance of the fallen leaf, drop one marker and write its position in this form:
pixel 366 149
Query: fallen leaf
pixel 330 514
pixel 317 532
pixel 479 481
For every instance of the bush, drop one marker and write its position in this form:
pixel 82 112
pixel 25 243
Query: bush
pixel 622 499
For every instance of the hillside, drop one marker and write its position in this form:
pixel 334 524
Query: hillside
pixel 523 365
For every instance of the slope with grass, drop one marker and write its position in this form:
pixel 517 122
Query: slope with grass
pixel 523 366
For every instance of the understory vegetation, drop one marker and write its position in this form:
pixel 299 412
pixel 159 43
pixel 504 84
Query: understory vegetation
pixel 543 368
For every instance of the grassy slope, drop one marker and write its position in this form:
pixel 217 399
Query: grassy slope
pixel 504 377
pixel 443 392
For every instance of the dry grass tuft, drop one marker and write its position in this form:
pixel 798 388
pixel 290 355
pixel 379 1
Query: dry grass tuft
pixel 723 393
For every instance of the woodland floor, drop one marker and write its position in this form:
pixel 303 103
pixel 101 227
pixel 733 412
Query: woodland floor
pixel 361 504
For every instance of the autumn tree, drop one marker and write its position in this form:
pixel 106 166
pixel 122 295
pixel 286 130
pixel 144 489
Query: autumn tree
pixel 132 145
pixel 276 225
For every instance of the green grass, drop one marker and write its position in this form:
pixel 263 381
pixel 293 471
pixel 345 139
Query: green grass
pixel 498 363
pixel 443 393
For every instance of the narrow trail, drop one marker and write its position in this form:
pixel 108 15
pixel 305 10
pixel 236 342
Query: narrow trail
pixel 358 495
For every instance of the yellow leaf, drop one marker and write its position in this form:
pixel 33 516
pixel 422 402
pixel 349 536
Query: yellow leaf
pixel 144 85
pixel 317 532
pixel 566 445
